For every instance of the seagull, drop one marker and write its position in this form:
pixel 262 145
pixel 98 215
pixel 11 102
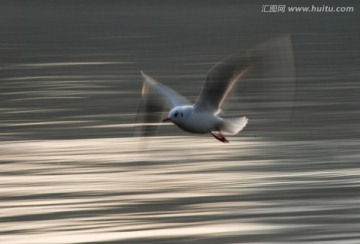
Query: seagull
pixel 272 62
pixel 202 117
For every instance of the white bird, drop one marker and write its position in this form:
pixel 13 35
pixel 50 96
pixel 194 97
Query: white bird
pixel 272 62
pixel 201 117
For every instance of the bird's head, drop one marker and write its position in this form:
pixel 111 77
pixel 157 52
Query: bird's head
pixel 176 115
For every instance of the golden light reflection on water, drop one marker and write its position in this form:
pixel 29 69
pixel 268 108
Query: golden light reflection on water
pixel 111 235
pixel 98 190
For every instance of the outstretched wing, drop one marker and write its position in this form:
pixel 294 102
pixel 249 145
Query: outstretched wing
pixel 156 97
pixel 168 96
pixel 219 81
pixel 269 90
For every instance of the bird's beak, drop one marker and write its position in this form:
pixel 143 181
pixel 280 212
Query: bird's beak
pixel 166 120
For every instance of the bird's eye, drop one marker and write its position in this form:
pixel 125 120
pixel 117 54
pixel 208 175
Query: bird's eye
pixel 176 114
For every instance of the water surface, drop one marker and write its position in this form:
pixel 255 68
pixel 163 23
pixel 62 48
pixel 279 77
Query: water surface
pixel 73 172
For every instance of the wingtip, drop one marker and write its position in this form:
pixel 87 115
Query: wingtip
pixel 144 89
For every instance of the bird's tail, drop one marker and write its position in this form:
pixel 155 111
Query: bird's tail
pixel 233 126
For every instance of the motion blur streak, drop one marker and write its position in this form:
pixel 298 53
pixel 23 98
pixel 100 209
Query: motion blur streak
pixel 72 172
pixel 251 187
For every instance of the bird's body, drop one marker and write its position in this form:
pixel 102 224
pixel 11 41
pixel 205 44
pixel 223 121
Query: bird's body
pixel 189 119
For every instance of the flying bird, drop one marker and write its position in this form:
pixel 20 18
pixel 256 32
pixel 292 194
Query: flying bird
pixel 203 116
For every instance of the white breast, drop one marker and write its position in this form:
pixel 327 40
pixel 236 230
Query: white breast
pixel 196 122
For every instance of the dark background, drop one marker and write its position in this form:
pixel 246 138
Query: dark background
pixel 68 65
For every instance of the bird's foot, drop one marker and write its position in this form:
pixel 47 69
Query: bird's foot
pixel 219 137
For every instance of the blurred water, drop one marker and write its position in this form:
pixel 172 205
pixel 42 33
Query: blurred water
pixel 72 172
pixel 179 189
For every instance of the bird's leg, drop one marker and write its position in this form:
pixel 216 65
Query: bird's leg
pixel 219 137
